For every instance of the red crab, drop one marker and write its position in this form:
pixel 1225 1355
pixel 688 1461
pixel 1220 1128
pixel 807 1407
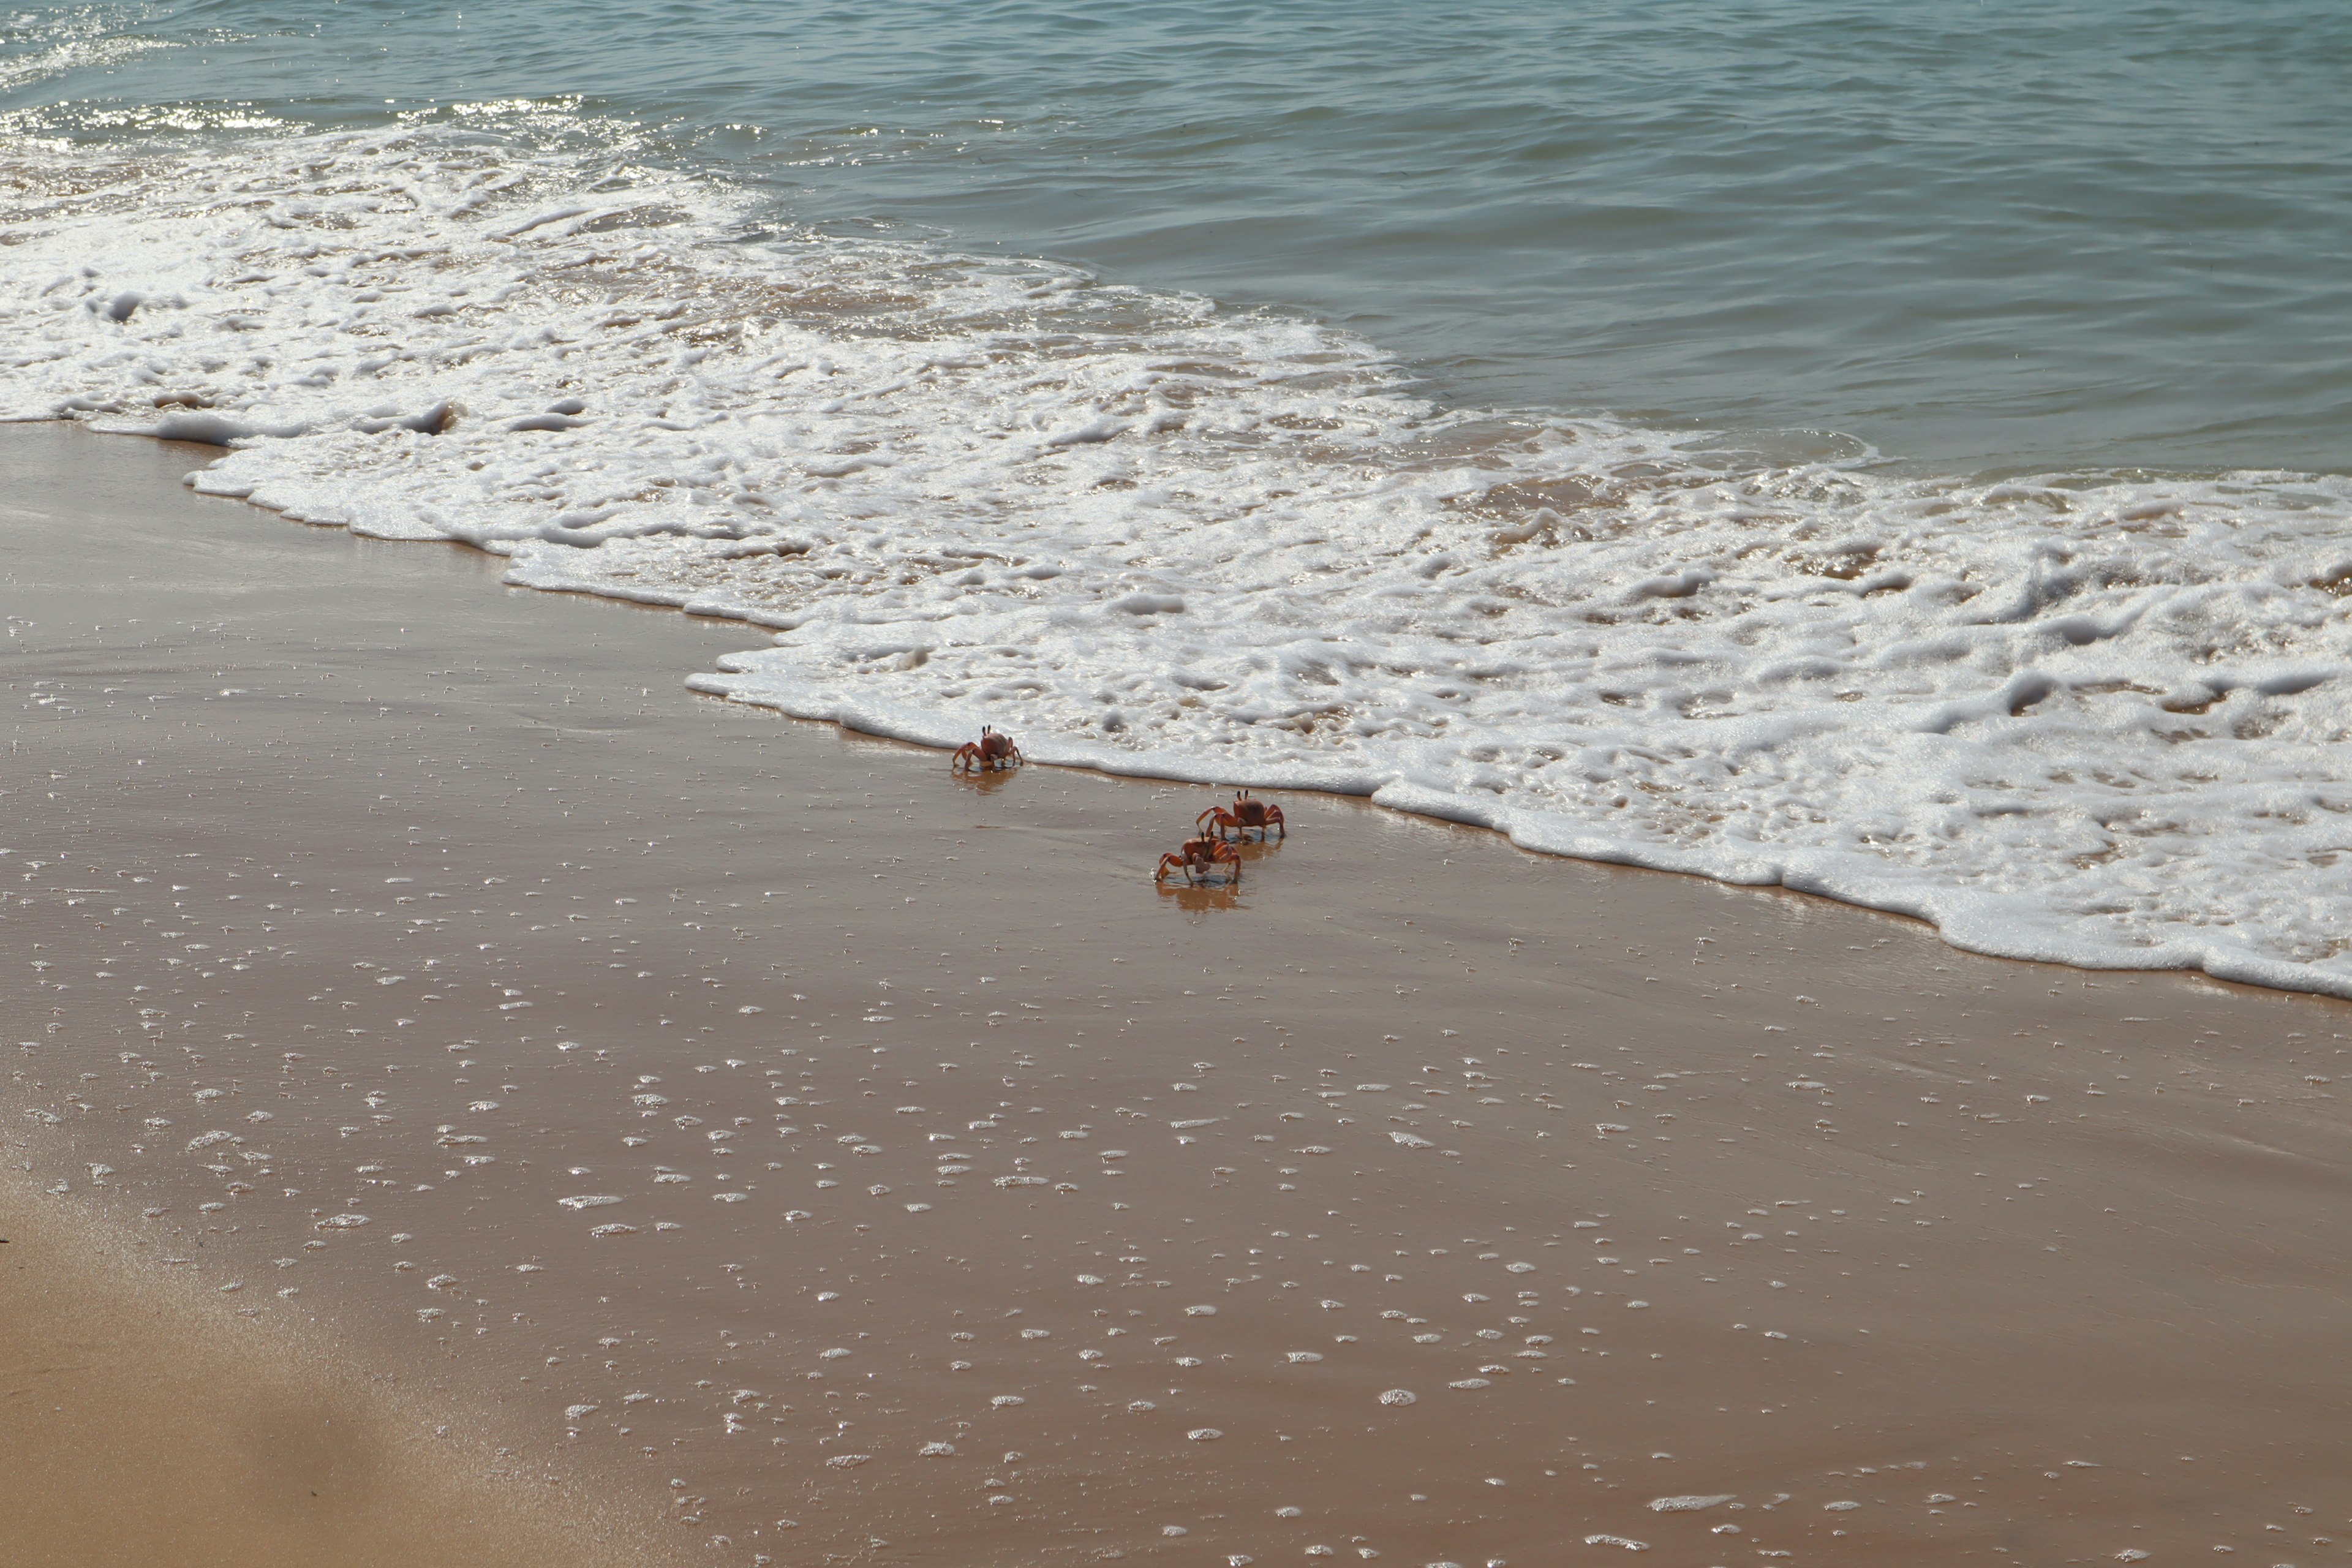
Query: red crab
pixel 1247 813
pixel 1200 855
pixel 992 750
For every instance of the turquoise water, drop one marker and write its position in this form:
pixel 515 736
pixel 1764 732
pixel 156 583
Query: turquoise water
pixel 1979 236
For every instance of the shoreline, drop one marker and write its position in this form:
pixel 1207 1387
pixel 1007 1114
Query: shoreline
pixel 1855 880
pixel 606 1047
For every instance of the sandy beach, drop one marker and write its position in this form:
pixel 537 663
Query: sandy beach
pixel 803 1155
pixel 146 1425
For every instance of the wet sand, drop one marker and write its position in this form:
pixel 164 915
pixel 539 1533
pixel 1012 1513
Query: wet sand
pixel 848 1161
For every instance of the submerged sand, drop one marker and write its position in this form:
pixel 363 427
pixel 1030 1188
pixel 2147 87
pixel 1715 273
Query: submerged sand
pixel 849 1162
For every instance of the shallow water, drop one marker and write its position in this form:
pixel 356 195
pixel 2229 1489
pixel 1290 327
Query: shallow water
pixel 1989 234
pixel 725 328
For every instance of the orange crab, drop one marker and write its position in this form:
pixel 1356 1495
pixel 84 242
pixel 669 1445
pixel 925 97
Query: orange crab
pixel 1247 813
pixel 1201 855
pixel 992 750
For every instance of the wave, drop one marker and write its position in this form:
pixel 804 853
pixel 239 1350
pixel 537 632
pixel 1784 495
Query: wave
pixel 2093 718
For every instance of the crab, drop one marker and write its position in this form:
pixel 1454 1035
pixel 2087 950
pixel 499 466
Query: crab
pixel 1198 855
pixel 1247 813
pixel 992 750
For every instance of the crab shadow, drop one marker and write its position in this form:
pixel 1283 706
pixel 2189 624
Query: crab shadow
pixel 1193 898
pixel 985 781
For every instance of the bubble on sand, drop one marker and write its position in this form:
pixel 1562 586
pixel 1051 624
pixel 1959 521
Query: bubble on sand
pixel 1519 1267
pixel 1304 1355
pixel 1200 1311
pixel 1689 1504
pixel 1399 1396
pixel 1632 1304
pixel 727 1197
pixel 1471 1383
pixel 1139 1406
pixel 918 1208
pixel 588 1201
pixel 1004 1401
pixel 341 1222
pixel 2131 1555
pixel 424 1313
pixel 834 1354
pixel 1089 1279
pixel 1616 1540
pixel 1019 1181
pixel 1410 1140
pixel 613 1230
pixel 1174 1530
pixel 849 1461
pixel 1204 1434
pixel 1838 1507
pixel 575 1412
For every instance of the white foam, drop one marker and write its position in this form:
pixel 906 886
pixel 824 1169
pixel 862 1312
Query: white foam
pixel 2090 718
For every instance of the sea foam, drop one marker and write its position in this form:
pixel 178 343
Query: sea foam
pixel 2089 717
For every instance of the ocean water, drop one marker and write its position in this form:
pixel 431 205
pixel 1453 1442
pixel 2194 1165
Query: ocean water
pixel 1893 452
